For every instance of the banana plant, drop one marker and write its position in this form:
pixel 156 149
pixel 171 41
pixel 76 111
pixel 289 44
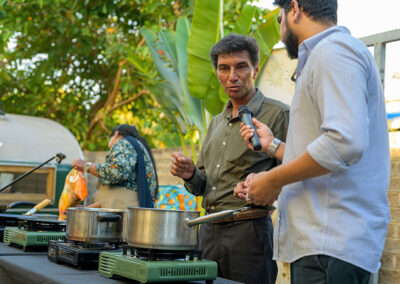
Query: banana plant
pixel 168 50
pixel 207 29
pixel 182 59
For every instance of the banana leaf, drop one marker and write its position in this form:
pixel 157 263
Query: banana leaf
pixel 267 35
pixel 163 95
pixel 167 42
pixel 172 90
pixel 163 67
pixel 245 21
pixel 204 34
pixel 192 104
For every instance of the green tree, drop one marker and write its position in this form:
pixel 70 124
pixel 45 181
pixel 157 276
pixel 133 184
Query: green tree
pixel 71 61
pixel 85 64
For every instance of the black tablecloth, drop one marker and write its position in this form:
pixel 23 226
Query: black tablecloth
pixel 17 266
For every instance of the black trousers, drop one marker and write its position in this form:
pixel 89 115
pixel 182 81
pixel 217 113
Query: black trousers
pixel 323 269
pixel 242 249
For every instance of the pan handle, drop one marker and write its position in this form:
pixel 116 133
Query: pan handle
pixel 108 218
pixel 209 218
pixel 21 203
pixel 38 207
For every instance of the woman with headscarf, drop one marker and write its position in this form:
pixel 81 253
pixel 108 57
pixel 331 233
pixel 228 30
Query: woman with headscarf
pixel 128 177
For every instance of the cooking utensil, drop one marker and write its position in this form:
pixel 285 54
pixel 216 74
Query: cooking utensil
pixel 95 224
pixel 170 229
pixel 38 207
pixel 166 229
pixel 5 206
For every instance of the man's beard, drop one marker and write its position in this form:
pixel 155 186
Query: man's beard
pixel 291 42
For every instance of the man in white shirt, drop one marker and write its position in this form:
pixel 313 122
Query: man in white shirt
pixel 332 185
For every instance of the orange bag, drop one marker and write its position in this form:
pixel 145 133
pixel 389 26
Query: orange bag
pixel 74 192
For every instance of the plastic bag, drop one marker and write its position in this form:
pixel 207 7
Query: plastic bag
pixel 74 192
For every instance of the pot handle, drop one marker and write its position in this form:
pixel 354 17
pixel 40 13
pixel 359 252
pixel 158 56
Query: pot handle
pixel 108 218
pixel 209 218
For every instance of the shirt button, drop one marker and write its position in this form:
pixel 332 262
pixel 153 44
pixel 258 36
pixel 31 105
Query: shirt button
pixel 214 188
pixel 218 166
pixel 224 143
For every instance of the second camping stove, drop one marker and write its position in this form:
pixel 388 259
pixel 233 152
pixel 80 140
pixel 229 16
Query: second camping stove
pixel 33 232
pixel 79 254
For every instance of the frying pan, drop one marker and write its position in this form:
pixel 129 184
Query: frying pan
pixel 5 206
pixel 12 219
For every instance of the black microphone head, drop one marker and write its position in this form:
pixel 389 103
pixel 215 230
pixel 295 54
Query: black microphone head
pixel 60 157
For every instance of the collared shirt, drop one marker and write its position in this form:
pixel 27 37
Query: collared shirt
pixel 120 167
pixel 337 115
pixel 225 159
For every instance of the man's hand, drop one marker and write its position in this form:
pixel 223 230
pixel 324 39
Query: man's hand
pixel 78 164
pixel 242 188
pixel 181 166
pixel 263 189
pixel 264 134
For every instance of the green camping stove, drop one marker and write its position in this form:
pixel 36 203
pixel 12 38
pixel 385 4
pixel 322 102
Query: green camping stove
pixel 32 232
pixel 147 265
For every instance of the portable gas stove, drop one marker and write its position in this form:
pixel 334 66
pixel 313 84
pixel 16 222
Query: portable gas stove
pixel 149 265
pixel 33 232
pixel 80 254
pixel 7 220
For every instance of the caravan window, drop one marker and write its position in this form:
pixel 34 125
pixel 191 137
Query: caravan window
pixel 34 187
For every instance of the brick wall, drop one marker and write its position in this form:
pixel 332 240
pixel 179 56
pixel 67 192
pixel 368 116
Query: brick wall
pixel 390 269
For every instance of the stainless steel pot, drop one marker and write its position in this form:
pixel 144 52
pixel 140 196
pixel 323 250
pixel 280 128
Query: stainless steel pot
pixel 94 225
pixel 166 229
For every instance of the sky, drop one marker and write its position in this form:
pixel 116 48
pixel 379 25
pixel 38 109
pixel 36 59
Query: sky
pixel 368 17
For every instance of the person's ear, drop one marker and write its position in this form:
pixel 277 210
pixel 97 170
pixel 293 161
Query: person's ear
pixel 255 72
pixel 295 10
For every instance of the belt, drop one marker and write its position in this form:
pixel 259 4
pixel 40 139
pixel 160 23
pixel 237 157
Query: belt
pixel 249 214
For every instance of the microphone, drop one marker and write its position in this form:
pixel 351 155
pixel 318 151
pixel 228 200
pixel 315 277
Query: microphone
pixel 60 157
pixel 245 116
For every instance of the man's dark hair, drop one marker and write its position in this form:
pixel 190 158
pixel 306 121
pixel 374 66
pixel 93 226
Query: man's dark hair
pixel 324 11
pixel 233 43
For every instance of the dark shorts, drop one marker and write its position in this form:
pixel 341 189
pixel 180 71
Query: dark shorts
pixel 323 269
pixel 242 249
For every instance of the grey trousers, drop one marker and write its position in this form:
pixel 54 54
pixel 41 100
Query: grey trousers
pixel 323 269
pixel 242 249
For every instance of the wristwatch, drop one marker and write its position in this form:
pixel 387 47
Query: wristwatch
pixel 272 147
pixel 86 166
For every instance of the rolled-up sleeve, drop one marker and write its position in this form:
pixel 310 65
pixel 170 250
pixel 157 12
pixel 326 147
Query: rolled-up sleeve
pixel 340 84
pixel 197 184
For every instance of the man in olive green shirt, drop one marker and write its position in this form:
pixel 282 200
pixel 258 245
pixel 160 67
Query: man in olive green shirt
pixel 242 249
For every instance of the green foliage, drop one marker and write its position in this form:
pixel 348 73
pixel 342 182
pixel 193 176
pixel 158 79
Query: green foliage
pixel 85 64
pixel 82 63
pixel 211 21
pixel 169 52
